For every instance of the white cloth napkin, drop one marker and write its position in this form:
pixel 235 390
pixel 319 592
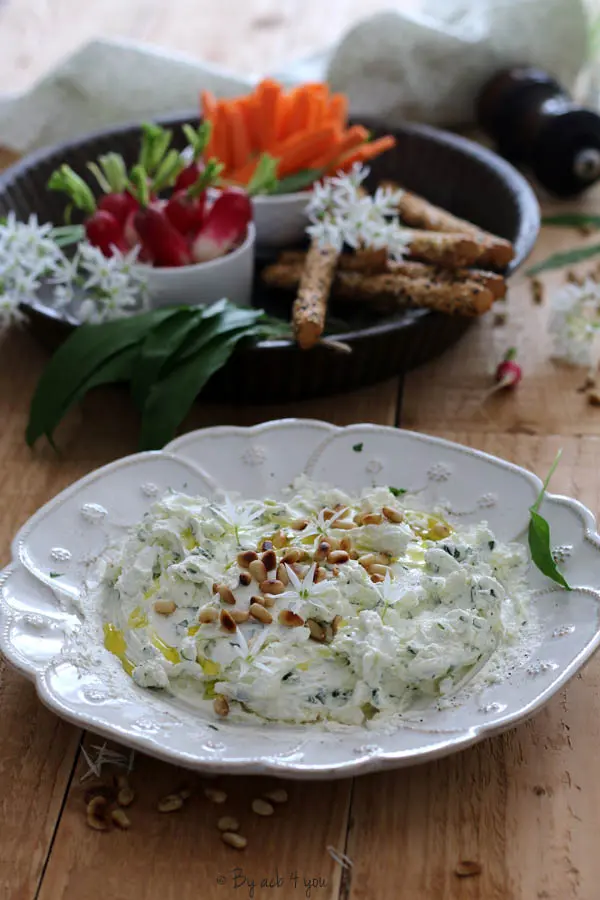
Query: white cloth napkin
pixel 427 66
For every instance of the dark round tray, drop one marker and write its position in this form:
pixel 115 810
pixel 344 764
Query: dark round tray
pixel 448 170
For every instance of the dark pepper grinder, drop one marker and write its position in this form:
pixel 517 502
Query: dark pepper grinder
pixel 535 123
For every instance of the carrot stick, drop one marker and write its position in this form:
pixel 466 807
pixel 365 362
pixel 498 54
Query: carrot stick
pixel 284 108
pixel 219 144
pixel 364 153
pixel 268 97
pixel 244 173
pixel 239 144
pixel 208 105
pixel 249 109
pixel 299 114
pixel 297 152
pixel 354 137
pixel 338 109
pixel 319 105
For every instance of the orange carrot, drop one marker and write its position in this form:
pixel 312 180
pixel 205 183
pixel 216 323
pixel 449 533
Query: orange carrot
pixel 299 114
pixel 319 105
pixel 208 105
pixel 363 153
pixel 244 173
pixel 239 144
pixel 350 140
pixel 338 109
pixel 219 142
pixel 284 108
pixel 268 96
pixel 297 152
pixel 249 109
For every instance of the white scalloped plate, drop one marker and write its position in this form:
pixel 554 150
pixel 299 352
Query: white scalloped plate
pixel 39 621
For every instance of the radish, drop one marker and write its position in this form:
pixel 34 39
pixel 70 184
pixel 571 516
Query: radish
pixel 225 225
pixel 198 139
pixel 509 372
pixel 189 176
pixel 165 245
pixel 120 205
pixel 104 231
pixel 186 208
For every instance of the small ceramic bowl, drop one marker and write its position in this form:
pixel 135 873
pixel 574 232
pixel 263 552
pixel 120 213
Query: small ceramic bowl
pixel 280 220
pixel 228 276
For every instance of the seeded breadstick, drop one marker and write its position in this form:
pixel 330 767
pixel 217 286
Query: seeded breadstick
pixel 462 298
pixel 384 293
pixel 419 213
pixel 310 306
pixel 362 262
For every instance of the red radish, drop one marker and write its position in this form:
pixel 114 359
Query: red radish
pixel 165 245
pixel 184 212
pixel 509 372
pixel 121 205
pixel 188 177
pixel 104 231
pixel 225 225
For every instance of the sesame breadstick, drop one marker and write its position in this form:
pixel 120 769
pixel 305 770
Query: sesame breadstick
pixel 386 292
pixel 310 306
pixel 362 262
pixel 419 213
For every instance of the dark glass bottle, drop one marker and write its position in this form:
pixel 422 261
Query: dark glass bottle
pixel 535 123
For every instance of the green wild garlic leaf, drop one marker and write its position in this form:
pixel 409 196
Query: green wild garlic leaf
pixel 539 535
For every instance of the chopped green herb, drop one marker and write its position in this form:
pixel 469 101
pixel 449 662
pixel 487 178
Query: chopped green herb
pixel 56 574
pixel 397 492
pixel 358 448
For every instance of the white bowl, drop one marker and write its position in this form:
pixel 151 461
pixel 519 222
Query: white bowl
pixel 42 632
pixel 228 276
pixel 280 220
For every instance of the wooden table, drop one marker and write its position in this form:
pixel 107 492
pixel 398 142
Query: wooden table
pixel 525 806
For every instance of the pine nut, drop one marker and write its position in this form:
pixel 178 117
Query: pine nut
pixel 354 554
pixel 228 823
pixel 336 557
pixel 377 579
pixel 245 578
pixel 239 615
pixel 346 544
pixel 272 587
pixel 322 551
pixel 269 600
pixel 279 540
pixel 336 623
pixel 259 612
pixel 226 595
pixel 125 796
pixel 258 570
pixel 299 524
pixel 328 514
pixel 377 569
pixel 372 519
pixel 317 632
pixel 279 795
pixel 262 807
pixel 260 601
pixel 244 559
pixel 292 556
pixel 207 615
pixel 282 574
pixel 367 560
pixel 266 545
pixel 393 515
pixel 121 819
pixel 269 560
pixel 96 813
pixel 227 623
pixel 440 530
pixel 164 607
pixel 290 619
pixel 215 795
pixel 221 705
pixel 215 588
pixel 344 524
pixel 320 575
pixel 170 803
pixel 237 841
